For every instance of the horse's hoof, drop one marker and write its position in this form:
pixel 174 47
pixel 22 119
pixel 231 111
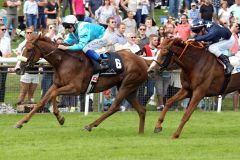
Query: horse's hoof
pixel 157 130
pixel 19 126
pixel 174 137
pixel 61 120
pixel 87 128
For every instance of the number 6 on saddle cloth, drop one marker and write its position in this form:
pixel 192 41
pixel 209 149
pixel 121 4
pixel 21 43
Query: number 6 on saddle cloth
pixel 115 65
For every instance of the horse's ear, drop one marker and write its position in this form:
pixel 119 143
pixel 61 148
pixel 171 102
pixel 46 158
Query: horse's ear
pixel 40 34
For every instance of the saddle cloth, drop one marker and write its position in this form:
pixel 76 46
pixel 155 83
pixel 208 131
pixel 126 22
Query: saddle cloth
pixel 115 67
pixel 114 62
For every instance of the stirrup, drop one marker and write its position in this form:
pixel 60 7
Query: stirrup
pixel 104 66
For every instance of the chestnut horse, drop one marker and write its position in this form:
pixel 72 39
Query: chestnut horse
pixel 202 75
pixel 73 72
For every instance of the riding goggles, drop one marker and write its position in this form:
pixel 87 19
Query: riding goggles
pixel 67 25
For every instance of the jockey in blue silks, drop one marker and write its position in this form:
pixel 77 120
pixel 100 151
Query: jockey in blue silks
pixel 84 36
pixel 220 37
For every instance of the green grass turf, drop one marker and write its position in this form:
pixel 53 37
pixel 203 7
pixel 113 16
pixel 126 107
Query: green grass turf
pixel 207 136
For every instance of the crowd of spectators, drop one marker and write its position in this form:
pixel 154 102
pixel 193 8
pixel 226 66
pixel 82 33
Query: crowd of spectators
pixel 129 23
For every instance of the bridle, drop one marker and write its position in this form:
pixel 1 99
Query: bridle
pixel 29 61
pixel 171 55
pixel 167 60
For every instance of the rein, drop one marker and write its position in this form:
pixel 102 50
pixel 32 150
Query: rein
pixel 166 61
pixel 48 54
pixel 44 56
pixel 200 45
pixel 171 53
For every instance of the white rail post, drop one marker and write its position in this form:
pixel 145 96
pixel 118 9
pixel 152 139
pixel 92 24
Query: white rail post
pixel 86 105
pixel 219 105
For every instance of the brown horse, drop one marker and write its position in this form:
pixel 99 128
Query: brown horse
pixel 73 72
pixel 202 75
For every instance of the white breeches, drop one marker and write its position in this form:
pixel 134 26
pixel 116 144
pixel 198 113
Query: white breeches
pixel 218 48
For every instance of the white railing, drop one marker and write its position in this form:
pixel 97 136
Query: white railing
pixel 15 60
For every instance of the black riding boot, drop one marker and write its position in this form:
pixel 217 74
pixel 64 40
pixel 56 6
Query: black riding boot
pixel 103 64
pixel 226 61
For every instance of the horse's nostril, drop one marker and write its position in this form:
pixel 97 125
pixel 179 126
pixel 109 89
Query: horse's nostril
pixel 20 71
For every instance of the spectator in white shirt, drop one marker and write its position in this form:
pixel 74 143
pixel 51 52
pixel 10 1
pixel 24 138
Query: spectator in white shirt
pixel 104 12
pixel 235 9
pixel 5 51
pixel 30 10
pixel 224 12
pixel 29 81
pixel 131 43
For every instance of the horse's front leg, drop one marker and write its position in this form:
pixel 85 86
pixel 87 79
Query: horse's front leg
pixel 181 94
pixel 56 111
pixel 196 98
pixel 38 106
pixel 66 90
pixel 51 94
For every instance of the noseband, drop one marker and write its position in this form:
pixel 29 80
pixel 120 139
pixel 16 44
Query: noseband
pixel 171 54
pixel 32 51
pixel 30 59
pixel 167 60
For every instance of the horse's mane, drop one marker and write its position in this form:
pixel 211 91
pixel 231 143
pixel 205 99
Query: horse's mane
pixel 177 42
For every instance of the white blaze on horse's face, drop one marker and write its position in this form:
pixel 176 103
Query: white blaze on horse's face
pixel 153 64
pixel 22 58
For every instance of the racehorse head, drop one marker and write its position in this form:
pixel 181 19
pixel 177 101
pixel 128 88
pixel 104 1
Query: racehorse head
pixel 31 54
pixel 175 54
pixel 163 58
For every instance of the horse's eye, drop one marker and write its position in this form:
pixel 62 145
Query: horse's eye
pixel 164 50
pixel 29 50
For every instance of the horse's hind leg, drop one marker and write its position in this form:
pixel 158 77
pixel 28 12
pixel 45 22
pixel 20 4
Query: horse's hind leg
pixel 132 99
pixel 181 94
pixel 114 108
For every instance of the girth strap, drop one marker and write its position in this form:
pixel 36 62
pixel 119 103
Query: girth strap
pixel 92 83
pixel 225 83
